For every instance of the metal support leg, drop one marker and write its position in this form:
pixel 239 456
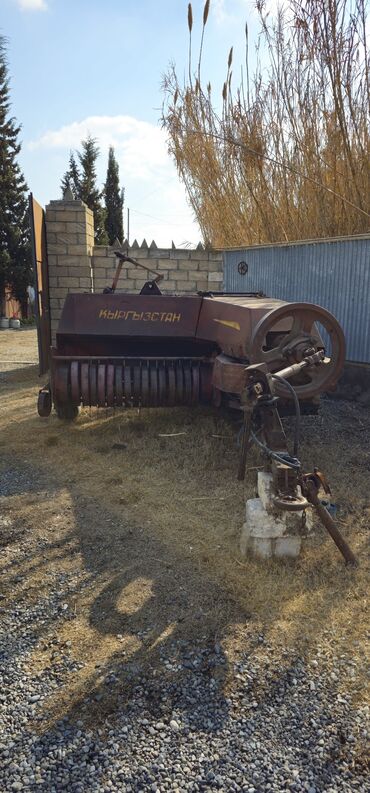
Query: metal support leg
pixel 244 443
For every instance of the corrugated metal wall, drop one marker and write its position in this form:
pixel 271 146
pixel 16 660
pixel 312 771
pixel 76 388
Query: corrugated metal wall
pixel 334 274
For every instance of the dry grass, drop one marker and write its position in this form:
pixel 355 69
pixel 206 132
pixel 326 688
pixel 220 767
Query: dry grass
pixel 152 530
pixel 286 155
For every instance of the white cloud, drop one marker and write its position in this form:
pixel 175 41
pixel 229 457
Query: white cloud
pixel 157 201
pixel 225 11
pixel 32 5
pixel 219 11
pixel 140 146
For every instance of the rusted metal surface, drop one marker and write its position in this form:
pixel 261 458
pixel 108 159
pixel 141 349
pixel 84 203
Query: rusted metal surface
pixel 153 350
pixel 116 350
pixel 301 341
pixel 40 267
pixel 122 259
pixel 294 490
pixel 229 322
pixel 132 382
pixel 149 350
pixel 311 484
pixel 289 502
pixel 229 375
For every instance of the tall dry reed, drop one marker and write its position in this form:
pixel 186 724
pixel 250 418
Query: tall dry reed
pixel 286 155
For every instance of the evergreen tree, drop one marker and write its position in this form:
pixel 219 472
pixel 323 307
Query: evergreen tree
pixel 88 190
pixel 15 250
pixel 71 177
pixel 114 198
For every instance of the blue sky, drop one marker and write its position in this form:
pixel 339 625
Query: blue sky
pixel 95 66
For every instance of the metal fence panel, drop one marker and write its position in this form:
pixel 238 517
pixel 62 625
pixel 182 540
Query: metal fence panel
pixel 335 275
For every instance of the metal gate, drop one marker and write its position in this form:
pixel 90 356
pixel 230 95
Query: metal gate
pixel 40 266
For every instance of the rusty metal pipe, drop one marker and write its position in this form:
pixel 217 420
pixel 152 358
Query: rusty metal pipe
pixel 123 258
pixel 330 525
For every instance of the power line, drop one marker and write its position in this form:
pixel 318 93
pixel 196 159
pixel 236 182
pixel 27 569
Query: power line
pixel 158 188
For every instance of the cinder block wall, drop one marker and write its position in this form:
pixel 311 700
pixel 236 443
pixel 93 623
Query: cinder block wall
pixel 70 240
pixel 77 265
pixel 184 271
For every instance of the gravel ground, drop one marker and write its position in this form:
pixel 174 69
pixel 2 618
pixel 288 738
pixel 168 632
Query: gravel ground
pixel 181 734
pixel 188 715
pixel 174 725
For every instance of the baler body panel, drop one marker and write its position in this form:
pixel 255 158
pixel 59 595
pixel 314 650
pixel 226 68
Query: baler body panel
pixel 129 315
pixel 230 322
pixel 93 323
pixel 119 349
pixel 130 325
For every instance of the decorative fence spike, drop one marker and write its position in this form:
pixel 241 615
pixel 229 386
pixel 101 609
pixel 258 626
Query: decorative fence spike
pixel 144 244
pixel 173 246
pixel 153 246
pixel 199 247
pixel 135 244
pixel 68 195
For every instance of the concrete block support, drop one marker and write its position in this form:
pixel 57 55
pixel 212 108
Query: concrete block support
pixel 268 532
pixel 70 241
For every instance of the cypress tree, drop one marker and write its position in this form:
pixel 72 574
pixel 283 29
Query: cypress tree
pixel 71 177
pixel 88 190
pixel 114 198
pixel 15 250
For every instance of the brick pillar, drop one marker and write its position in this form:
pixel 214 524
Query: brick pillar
pixel 70 241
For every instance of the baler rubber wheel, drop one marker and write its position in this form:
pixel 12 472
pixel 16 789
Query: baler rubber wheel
pixel 44 403
pixel 66 411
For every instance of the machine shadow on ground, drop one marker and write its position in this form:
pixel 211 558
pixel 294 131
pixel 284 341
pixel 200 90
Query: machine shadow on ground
pixel 158 590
